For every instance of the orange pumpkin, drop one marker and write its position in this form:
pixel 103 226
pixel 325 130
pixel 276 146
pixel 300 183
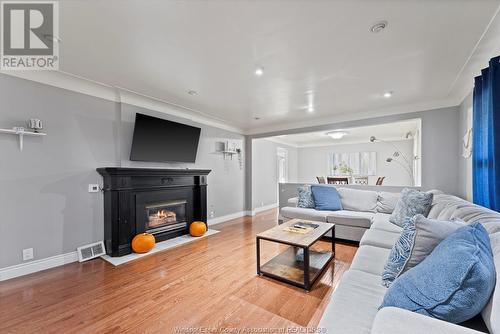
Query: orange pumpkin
pixel 197 229
pixel 143 243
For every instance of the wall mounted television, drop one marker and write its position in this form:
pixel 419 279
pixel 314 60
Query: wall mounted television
pixel 159 140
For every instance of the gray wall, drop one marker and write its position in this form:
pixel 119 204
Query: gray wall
pixel 440 144
pixel 465 164
pixel 44 200
pixel 313 161
pixel 264 171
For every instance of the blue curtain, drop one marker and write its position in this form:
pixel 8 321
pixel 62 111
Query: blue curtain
pixel 486 137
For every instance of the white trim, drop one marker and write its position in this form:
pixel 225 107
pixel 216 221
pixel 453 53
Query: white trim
pixel 37 265
pixel 231 216
pixel 264 208
pixel 86 86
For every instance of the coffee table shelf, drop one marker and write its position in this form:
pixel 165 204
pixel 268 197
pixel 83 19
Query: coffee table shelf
pixel 298 265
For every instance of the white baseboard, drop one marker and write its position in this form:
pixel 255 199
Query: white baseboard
pixel 222 219
pixel 37 265
pixel 262 208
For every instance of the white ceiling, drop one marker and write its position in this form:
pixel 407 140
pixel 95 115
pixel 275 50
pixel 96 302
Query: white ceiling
pixel 322 49
pixel 388 132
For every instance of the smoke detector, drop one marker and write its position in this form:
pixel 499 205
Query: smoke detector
pixel 378 27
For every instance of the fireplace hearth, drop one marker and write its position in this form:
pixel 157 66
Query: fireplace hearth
pixel 162 202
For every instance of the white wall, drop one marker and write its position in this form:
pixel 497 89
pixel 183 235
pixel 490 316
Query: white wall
pixel 313 161
pixel 265 171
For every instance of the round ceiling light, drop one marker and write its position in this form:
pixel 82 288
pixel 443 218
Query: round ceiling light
pixel 378 27
pixel 259 71
pixel 337 134
pixel 310 109
pixel 388 94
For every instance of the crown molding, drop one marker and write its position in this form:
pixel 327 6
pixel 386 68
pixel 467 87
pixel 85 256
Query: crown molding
pixel 100 90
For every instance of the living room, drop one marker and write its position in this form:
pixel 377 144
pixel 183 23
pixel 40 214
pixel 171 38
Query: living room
pixel 250 166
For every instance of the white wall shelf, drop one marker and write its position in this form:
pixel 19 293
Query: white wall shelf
pixel 21 133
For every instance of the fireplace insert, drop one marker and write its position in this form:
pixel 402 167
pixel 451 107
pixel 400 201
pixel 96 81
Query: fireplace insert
pixel 165 216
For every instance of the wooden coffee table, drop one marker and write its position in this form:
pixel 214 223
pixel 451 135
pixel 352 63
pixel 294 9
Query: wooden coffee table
pixel 290 266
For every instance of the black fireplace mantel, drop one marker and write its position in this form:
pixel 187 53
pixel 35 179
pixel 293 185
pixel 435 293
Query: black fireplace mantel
pixel 127 190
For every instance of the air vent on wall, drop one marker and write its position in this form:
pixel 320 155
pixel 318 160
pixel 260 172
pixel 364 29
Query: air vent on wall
pixel 91 251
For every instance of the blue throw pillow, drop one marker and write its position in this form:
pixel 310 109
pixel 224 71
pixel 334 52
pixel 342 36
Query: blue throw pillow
pixel 326 198
pixel 400 253
pixel 454 283
pixel 411 202
pixel 305 198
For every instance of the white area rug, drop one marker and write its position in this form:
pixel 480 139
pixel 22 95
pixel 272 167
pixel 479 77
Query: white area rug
pixel 159 247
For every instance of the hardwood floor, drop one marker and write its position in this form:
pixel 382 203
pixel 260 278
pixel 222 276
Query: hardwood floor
pixel 210 283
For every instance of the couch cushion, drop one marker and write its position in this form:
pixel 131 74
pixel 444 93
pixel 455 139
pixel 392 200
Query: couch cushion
pixel 351 218
pixel 370 259
pixel 428 234
pixel 381 222
pixel 358 200
pixel 491 313
pixel 379 238
pixel 303 213
pixel 326 198
pixel 454 283
pixel 412 202
pixel 387 201
pixel 354 304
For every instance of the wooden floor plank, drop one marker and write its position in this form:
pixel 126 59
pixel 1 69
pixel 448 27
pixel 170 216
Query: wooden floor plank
pixel 210 283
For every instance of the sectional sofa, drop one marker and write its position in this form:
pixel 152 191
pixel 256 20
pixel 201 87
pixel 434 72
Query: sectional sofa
pixel 353 307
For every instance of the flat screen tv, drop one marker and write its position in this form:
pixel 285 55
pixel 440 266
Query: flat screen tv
pixel 159 140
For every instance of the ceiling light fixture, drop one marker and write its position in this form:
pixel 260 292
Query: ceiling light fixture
pixel 192 92
pixel 378 27
pixel 259 71
pixel 52 38
pixel 388 94
pixel 337 134
pixel 310 109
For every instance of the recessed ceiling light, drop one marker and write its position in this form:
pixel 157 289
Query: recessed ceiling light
pixel 52 38
pixel 192 92
pixel 259 71
pixel 378 27
pixel 388 94
pixel 336 134
pixel 256 118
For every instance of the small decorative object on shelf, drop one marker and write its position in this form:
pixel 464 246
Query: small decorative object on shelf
pixel 21 132
pixel 35 125
pixel 143 243
pixel 197 229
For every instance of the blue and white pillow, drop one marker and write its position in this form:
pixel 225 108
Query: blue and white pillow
pixel 400 253
pixel 412 202
pixel 454 283
pixel 305 198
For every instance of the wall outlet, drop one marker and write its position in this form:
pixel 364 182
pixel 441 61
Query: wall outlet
pixel 212 214
pixel 27 254
pixel 94 188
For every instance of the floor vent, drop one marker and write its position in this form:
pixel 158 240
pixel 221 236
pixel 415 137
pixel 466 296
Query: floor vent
pixel 91 251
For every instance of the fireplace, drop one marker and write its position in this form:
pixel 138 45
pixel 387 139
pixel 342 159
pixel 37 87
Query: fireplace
pixel 162 202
